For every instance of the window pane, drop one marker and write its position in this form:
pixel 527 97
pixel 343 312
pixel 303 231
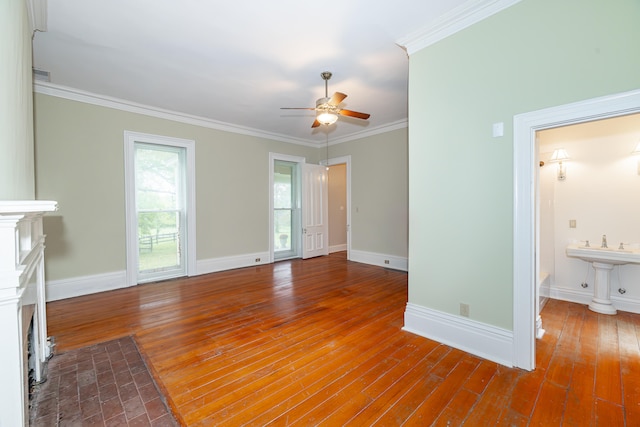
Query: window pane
pixel 286 222
pixel 282 185
pixel 157 179
pixel 158 241
pixel 282 230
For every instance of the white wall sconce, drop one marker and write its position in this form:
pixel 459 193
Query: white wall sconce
pixel 636 153
pixel 559 156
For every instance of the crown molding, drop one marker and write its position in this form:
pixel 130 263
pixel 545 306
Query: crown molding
pixel 147 110
pixel 400 124
pixel 459 18
pixel 72 94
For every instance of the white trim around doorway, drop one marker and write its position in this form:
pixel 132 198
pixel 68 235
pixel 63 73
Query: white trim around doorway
pixel 273 157
pixel 525 127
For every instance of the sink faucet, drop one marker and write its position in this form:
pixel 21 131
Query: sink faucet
pixel 604 241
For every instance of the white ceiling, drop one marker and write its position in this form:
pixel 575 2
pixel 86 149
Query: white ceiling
pixel 237 62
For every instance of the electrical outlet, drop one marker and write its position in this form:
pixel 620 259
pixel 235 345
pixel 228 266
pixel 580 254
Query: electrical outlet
pixel 257 259
pixel 572 223
pixel 464 309
pixel 386 261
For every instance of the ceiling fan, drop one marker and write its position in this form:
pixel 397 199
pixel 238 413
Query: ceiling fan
pixel 327 109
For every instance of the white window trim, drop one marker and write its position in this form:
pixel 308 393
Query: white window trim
pixel 130 138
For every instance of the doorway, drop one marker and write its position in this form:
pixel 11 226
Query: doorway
pixel 285 206
pixel 286 209
pixel 584 199
pixel 337 208
pixel 298 208
pixel 160 211
pixel 526 161
pixel 340 206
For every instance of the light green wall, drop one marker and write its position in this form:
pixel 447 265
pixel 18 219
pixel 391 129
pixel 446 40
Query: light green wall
pixel 80 163
pixel 16 105
pixel 536 54
pixel 379 194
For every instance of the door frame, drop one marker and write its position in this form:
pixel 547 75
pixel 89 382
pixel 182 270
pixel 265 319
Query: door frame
pixel 525 150
pixel 131 222
pixel 347 161
pixel 272 158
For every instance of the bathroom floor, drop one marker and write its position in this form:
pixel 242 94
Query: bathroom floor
pixel 587 367
pixel 104 384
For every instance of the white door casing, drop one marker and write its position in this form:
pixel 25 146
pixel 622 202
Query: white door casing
pixel 525 148
pixel 272 158
pixel 315 211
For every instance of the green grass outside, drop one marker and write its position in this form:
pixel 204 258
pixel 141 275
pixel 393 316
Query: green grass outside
pixel 164 254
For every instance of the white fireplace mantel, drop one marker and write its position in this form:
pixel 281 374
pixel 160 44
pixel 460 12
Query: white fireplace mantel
pixel 22 298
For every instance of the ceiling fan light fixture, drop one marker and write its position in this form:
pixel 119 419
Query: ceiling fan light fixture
pixel 326 117
pixel 327 109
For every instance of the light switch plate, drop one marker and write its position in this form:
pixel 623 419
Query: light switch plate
pixel 498 129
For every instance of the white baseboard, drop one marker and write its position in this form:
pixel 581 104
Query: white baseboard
pixel 337 248
pixel 630 305
pixel 213 265
pixel 382 260
pixel 480 339
pixel 571 295
pixel 626 304
pixel 85 285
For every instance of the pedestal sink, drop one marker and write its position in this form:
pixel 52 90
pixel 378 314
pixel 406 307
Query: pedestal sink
pixel 603 260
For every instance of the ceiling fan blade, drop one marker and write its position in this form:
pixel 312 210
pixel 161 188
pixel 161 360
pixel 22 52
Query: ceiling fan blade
pixel 315 124
pixel 337 98
pixel 296 108
pixel 355 114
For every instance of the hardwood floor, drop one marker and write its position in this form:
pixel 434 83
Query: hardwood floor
pixel 319 342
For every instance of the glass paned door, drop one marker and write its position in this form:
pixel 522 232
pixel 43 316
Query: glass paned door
pixel 286 210
pixel 160 211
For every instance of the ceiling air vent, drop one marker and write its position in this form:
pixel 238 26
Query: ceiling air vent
pixel 41 75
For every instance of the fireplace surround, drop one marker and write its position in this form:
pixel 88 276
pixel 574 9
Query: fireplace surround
pixel 22 300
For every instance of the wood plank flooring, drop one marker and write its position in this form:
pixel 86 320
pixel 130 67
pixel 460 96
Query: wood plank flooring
pixel 319 342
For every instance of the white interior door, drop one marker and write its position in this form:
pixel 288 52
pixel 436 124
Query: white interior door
pixel 315 213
